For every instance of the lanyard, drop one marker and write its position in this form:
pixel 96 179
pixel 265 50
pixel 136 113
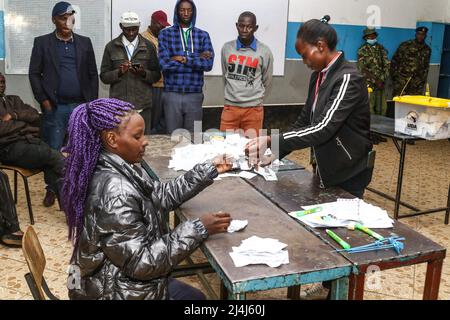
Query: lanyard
pixel 185 39
pixel 316 92
pixel 318 84
pixel 129 53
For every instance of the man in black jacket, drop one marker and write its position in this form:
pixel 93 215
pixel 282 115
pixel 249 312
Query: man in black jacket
pixel 130 66
pixel 21 146
pixel 335 121
pixel 63 74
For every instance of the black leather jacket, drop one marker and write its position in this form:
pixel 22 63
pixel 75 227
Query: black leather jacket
pixel 124 250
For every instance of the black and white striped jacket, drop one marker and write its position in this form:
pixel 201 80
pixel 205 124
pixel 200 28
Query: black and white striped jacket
pixel 339 128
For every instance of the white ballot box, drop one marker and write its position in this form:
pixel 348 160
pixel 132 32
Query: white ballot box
pixel 422 116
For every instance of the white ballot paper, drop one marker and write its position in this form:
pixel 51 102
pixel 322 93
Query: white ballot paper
pixel 345 211
pixel 256 250
pixel 237 225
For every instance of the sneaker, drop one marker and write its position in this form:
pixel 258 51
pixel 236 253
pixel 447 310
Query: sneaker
pixel 49 199
pixel 315 292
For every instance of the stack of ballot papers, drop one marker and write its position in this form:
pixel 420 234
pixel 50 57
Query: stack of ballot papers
pixel 344 212
pixel 185 158
pixel 256 250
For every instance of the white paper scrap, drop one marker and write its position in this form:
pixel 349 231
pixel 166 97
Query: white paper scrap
pixel 237 225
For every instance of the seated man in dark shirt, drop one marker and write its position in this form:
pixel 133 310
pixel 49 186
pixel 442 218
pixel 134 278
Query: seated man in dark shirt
pixel 21 146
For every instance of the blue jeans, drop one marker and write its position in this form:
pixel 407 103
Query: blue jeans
pixel 55 124
pixel 181 110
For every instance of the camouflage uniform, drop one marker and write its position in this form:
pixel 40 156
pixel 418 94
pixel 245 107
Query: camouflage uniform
pixel 373 62
pixel 412 60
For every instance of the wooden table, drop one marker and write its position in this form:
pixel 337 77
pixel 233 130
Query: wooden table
pixel 300 188
pixel 310 259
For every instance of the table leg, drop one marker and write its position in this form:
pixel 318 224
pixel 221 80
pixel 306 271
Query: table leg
pixel 433 280
pixel 293 293
pixel 356 286
pixel 223 292
pixel 400 179
pixel 339 289
pixel 447 213
pixel 237 296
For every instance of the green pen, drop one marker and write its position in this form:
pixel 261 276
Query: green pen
pixel 336 238
pixel 299 214
pixel 368 231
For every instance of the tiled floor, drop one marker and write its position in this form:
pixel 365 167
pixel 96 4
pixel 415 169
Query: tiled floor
pixel 427 175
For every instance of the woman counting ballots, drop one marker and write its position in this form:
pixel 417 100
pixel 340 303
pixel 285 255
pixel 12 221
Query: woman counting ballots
pixel 335 121
pixel 122 248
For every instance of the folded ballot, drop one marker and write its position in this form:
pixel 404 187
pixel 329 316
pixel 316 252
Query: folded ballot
pixel 343 212
pixel 237 225
pixel 256 250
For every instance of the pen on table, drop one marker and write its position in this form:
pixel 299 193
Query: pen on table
pixel 360 227
pixel 336 238
pixel 302 213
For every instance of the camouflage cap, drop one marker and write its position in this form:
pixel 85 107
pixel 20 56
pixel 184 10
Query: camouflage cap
pixel 368 31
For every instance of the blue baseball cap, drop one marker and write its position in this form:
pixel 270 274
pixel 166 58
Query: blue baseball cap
pixel 62 8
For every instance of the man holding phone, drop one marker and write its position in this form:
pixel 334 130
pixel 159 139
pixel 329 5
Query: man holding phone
pixel 130 66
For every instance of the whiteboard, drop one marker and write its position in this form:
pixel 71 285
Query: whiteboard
pixel 219 19
pixel 25 20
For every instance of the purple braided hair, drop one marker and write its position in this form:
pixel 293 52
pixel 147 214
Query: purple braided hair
pixel 84 145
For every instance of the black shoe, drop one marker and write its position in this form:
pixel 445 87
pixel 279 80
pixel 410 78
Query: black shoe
pixel 12 240
pixel 375 140
pixel 410 142
pixel 382 139
pixel 49 199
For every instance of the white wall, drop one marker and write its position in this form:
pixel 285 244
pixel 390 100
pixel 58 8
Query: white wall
pixel 393 13
pixel 434 10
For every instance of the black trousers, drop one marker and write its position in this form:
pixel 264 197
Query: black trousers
pixel 36 156
pixel 9 223
pixel 181 291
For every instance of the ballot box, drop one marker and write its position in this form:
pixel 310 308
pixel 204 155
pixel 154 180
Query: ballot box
pixel 423 116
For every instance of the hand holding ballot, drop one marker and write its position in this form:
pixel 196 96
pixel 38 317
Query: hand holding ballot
pixel 216 222
pixel 223 163
pixel 256 149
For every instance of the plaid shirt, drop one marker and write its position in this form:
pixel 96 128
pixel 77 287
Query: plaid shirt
pixel 178 77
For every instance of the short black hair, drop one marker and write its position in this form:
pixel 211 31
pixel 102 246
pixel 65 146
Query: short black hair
pixel 248 14
pixel 315 30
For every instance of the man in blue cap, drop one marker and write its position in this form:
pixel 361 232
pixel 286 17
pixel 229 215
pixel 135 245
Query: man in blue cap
pixel 63 74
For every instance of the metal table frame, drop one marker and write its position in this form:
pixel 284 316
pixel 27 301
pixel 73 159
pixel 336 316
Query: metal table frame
pixel 385 127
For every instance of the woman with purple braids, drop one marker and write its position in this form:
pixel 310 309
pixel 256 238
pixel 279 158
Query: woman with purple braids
pixel 122 249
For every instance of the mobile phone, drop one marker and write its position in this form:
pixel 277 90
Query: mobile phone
pixel 136 65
